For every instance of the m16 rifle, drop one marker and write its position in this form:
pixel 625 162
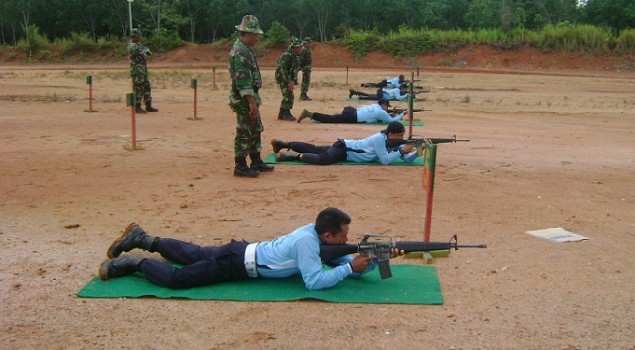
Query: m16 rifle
pixel 420 142
pixel 379 248
pixel 401 110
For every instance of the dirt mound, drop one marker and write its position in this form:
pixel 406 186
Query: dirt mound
pixel 336 56
pixel 333 56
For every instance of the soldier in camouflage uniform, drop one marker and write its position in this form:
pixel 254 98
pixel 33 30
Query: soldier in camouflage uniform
pixel 305 66
pixel 245 101
pixel 139 72
pixel 287 78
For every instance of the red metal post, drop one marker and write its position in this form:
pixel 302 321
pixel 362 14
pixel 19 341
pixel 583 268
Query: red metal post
pixel 134 126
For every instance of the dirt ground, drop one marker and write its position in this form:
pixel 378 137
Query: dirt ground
pixel 550 147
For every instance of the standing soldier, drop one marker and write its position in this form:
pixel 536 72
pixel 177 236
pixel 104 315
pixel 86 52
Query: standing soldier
pixel 287 78
pixel 305 67
pixel 244 99
pixel 139 72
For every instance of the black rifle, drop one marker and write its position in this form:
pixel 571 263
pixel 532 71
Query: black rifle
pixel 401 110
pixel 419 142
pixel 374 85
pixel 380 250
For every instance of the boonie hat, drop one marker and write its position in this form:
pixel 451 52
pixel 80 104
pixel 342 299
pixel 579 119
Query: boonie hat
pixel 249 24
pixel 307 40
pixel 394 128
pixel 383 101
pixel 135 31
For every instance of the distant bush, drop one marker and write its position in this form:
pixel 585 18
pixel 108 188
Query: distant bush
pixel 626 42
pixel 564 36
pixel 361 43
pixel 162 41
pixel 77 43
pixel 278 34
pixel 34 41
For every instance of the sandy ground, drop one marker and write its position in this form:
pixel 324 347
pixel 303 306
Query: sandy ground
pixel 546 151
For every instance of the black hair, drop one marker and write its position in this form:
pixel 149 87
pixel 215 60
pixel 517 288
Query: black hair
pixel 331 220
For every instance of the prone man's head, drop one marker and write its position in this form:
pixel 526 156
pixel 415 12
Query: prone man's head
pixel 395 131
pixel 331 226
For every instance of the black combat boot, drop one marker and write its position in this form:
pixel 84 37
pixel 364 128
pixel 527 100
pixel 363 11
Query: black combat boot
pixel 285 114
pixel 138 109
pixel 288 157
pixel 258 164
pixel 241 169
pixel 304 97
pixel 132 237
pixel 149 107
pixel 118 267
pixel 305 114
pixel 278 145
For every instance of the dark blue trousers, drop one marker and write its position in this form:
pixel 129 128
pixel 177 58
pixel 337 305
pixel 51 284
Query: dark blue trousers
pixel 320 155
pixel 201 265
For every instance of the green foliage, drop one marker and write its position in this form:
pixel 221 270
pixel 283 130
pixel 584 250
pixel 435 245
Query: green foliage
pixel 575 38
pixel 278 34
pixel 33 42
pixel 162 40
pixel 408 42
pixel 77 43
pixel 362 43
pixel 626 42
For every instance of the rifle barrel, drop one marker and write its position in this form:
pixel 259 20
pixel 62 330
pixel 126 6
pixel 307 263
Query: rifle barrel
pixel 470 246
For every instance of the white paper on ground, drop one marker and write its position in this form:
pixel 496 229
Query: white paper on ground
pixel 557 234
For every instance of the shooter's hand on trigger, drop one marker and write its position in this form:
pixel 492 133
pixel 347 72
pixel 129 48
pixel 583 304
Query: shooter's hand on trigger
pixel 360 263
pixel 394 252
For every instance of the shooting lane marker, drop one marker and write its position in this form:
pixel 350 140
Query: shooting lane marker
pixel 410 104
pixel 194 85
pixel 214 87
pixel 131 100
pixel 429 165
pixel 89 82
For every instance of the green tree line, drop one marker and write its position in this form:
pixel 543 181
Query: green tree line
pixel 399 27
pixel 207 21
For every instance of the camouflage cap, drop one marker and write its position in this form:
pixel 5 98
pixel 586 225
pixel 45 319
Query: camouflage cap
pixel 307 40
pixel 295 42
pixel 249 24
pixel 135 31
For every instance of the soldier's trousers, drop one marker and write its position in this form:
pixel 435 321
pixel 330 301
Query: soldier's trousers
pixel 248 130
pixel 287 97
pixel 141 88
pixel 306 81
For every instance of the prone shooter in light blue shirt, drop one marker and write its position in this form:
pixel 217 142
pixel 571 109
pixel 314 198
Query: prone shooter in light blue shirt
pixel 296 253
pixel 376 112
pixel 370 149
pixel 396 94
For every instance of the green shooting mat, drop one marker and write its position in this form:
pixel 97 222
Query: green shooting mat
pixel 271 159
pixel 410 284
